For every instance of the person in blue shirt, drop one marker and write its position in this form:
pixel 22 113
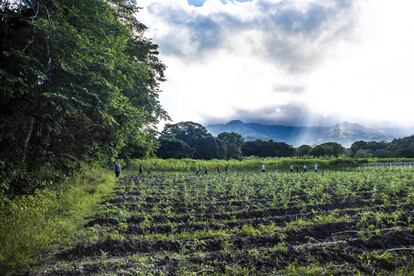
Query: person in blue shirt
pixel 117 170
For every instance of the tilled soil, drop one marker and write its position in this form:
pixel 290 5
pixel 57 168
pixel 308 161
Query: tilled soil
pixel 164 229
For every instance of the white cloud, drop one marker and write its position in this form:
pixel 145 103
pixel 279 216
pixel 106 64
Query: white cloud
pixel 349 60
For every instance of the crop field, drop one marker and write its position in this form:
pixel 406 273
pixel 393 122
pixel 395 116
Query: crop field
pixel 329 222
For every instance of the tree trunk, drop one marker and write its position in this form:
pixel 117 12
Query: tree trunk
pixel 27 140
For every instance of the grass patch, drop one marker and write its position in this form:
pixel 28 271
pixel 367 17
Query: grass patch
pixel 31 226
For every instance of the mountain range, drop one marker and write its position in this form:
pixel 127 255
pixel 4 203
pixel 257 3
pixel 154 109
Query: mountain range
pixel 343 133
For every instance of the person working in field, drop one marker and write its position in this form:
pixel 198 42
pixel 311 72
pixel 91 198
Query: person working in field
pixel 297 168
pixel 315 167
pixel 263 168
pixel 205 170
pixel 305 168
pixel 218 170
pixel 197 171
pixel 117 170
pixel 140 170
pixel 226 169
pixel 291 168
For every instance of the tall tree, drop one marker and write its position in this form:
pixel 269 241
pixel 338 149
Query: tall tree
pixel 232 145
pixel 328 149
pixel 79 80
pixel 195 136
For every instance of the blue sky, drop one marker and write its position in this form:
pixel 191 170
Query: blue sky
pixel 199 3
pixel 295 62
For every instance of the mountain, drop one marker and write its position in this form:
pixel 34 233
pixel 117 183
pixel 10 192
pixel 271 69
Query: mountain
pixel 344 133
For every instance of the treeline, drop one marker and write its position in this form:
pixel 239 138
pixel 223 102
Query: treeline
pixel 403 147
pixel 192 140
pixel 79 83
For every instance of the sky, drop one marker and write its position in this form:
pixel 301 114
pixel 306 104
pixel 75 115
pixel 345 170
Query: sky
pixel 290 62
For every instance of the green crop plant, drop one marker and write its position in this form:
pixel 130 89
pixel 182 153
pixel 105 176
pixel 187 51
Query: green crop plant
pixel 248 230
pixel 259 221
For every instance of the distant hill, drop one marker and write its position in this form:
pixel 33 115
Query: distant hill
pixel 344 133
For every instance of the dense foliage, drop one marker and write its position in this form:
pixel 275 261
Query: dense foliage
pixel 403 147
pixel 192 140
pixel 269 148
pixel 331 149
pixel 79 82
pixel 232 144
pixel 188 139
pixel 303 150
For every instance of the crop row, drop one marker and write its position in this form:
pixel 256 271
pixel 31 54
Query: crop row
pixel 239 223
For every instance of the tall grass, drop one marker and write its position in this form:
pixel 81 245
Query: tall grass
pixel 254 163
pixel 33 225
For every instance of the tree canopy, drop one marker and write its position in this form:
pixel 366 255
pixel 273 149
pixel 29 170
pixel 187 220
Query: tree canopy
pixel 232 145
pixel 403 147
pixel 201 144
pixel 79 81
pixel 268 148
pixel 303 150
pixel 328 149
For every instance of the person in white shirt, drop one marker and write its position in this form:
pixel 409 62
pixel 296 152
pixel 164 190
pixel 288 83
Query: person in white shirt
pixel 263 168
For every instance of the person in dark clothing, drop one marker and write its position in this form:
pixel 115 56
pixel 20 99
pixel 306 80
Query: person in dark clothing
pixel 117 170
pixel 218 170
pixel 197 171
pixel 297 168
pixel 141 170
pixel 205 170
pixel 226 169
pixel 291 168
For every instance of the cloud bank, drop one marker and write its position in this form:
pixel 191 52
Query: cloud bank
pixel 285 61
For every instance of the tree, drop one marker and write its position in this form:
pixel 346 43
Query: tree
pixel 195 136
pixel 369 147
pixel 174 148
pixel 328 149
pixel 232 145
pixel 303 150
pixel 361 153
pixel 269 148
pixel 79 82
